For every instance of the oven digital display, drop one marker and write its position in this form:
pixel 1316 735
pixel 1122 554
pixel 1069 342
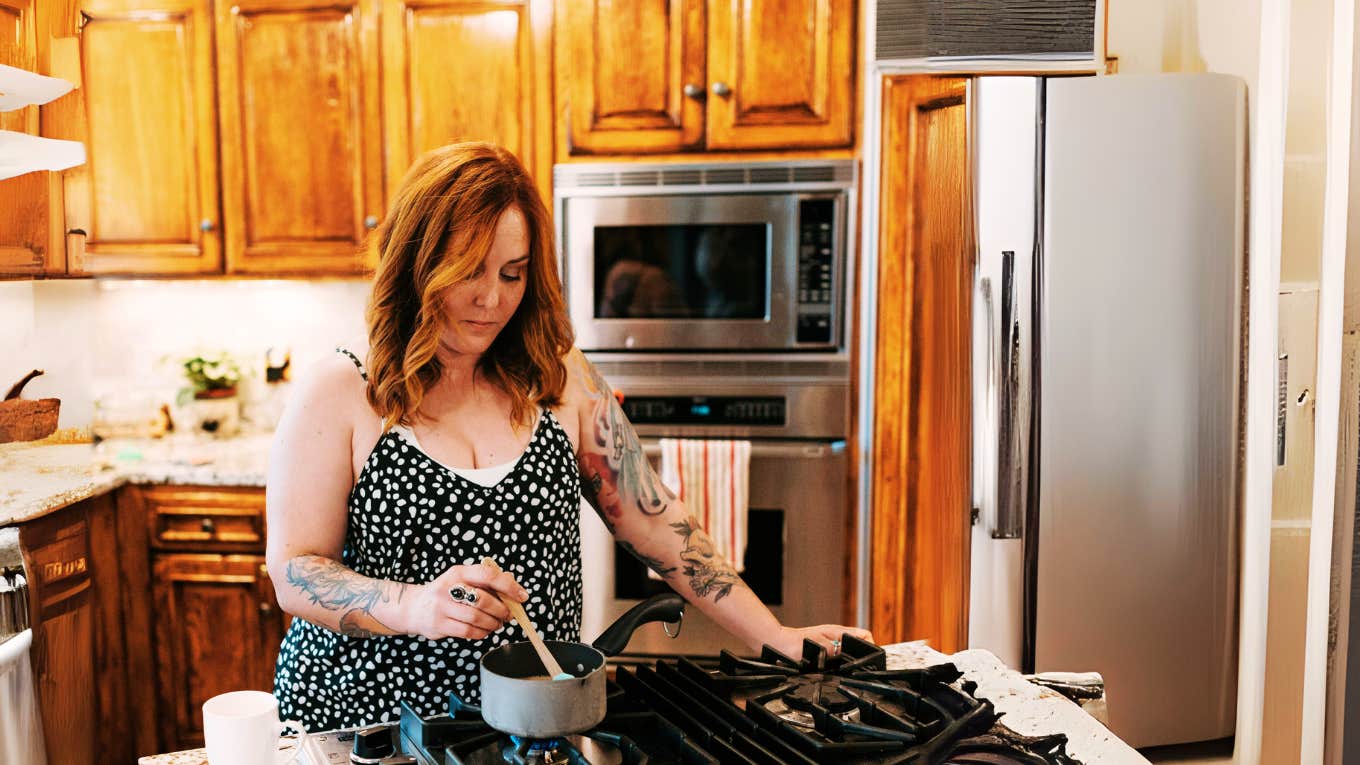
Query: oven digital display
pixel 705 410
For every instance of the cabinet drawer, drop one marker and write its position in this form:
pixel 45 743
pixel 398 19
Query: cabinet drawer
pixel 206 519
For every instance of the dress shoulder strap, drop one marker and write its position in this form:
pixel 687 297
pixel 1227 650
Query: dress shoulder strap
pixel 359 365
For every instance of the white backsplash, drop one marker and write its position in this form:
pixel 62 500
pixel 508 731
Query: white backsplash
pixel 100 336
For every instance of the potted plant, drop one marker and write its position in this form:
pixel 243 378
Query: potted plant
pixel 212 375
pixel 209 400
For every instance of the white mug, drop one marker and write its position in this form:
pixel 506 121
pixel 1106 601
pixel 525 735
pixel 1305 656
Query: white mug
pixel 243 728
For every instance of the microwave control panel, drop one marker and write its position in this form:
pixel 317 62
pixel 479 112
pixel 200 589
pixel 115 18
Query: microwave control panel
pixel 705 410
pixel 816 282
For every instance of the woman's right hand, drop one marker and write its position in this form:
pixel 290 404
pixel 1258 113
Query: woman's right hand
pixel 430 611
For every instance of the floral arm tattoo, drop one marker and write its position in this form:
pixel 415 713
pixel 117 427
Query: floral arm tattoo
pixel 336 588
pixel 708 572
pixel 618 478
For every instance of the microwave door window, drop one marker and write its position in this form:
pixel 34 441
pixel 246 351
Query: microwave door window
pixel 712 271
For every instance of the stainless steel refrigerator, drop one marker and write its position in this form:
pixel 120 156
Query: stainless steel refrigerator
pixel 1107 367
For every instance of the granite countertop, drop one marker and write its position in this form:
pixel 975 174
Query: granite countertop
pixel 1028 709
pixel 38 478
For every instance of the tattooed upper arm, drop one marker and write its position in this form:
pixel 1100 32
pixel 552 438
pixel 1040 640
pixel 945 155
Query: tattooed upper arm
pixel 619 481
pixel 617 477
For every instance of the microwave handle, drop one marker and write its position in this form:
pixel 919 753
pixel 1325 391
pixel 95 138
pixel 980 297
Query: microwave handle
pixel 806 450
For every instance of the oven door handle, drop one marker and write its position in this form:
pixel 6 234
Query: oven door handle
pixel 765 449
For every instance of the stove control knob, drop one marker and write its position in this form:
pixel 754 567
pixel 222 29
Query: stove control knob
pixel 371 745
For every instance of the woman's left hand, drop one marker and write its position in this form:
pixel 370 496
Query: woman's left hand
pixel 790 639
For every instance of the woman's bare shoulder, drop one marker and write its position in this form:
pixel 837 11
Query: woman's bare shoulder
pixel 585 385
pixel 332 386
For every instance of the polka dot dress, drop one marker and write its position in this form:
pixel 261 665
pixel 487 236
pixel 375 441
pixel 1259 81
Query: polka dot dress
pixel 410 519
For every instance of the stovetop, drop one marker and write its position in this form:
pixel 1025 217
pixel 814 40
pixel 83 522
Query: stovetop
pixel 771 710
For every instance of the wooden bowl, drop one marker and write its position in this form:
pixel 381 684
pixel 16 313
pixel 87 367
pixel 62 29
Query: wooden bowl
pixel 28 420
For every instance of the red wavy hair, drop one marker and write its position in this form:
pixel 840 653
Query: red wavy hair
pixel 438 232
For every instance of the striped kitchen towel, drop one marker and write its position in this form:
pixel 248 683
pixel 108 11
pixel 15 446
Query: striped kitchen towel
pixel 712 478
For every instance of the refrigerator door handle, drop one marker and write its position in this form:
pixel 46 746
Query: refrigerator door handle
pixel 985 512
pixel 1010 481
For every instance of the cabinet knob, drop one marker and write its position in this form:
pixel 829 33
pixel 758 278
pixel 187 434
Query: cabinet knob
pixel 207 525
pixel 693 91
pixel 264 571
pixel 206 225
pixel 266 608
pixel 371 222
pixel 721 89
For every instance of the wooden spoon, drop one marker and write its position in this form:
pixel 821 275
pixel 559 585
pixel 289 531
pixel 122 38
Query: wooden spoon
pixel 517 611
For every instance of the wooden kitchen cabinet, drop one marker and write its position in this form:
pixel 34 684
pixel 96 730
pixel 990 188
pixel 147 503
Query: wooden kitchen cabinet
pixel 640 77
pixel 922 501
pixel 631 76
pixel 301 133
pixel 139 617
pixel 204 519
pixel 79 651
pixel 467 70
pixel 30 236
pixel 147 196
pixel 218 629
pixel 781 74
pixel 262 136
pixel 198 608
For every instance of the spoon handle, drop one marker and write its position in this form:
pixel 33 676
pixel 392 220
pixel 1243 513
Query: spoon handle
pixel 517 611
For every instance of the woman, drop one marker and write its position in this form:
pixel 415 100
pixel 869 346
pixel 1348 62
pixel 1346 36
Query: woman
pixel 469 427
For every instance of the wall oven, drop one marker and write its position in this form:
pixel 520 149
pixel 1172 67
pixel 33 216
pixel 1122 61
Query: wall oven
pixel 795 556
pixel 725 257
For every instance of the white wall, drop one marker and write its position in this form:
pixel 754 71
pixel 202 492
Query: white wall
pixel 1186 36
pixel 95 337
pixel 46 325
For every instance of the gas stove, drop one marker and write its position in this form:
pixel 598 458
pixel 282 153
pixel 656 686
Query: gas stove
pixel 770 710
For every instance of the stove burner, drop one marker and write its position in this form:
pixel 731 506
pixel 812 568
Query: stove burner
pixel 805 698
pixel 818 691
pixel 538 751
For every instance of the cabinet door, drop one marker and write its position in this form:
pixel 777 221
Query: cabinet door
pixel 24 215
pixel 922 523
pixel 146 197
pixel 197 658
pixel 781 74
pixel 301 162
pixel 63 598
pixel 455 70
pixel 623 69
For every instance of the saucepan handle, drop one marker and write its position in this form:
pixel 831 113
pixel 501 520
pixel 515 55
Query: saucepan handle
pixel 666 607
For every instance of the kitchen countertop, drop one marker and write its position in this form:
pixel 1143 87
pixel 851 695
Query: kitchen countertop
pixel 1029 709
pixel 38 478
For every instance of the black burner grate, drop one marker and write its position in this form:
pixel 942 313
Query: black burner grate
pixel 772 710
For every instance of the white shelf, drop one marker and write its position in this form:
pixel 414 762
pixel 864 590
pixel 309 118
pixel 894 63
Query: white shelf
pixel 23 153
pixel 20 88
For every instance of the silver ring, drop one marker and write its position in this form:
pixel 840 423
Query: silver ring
pixel 836 646
pixel 458 593
pixel 471 596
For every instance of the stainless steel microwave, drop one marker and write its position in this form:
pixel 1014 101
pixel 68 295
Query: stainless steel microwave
pixel 700 258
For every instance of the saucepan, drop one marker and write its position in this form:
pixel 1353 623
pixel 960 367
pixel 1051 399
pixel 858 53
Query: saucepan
pixel 519 698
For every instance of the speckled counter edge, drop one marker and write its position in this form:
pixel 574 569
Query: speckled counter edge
pixel 189 757
pixel 75 480
pixel 14 513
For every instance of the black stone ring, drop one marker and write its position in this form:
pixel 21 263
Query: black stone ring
pixel 462 594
